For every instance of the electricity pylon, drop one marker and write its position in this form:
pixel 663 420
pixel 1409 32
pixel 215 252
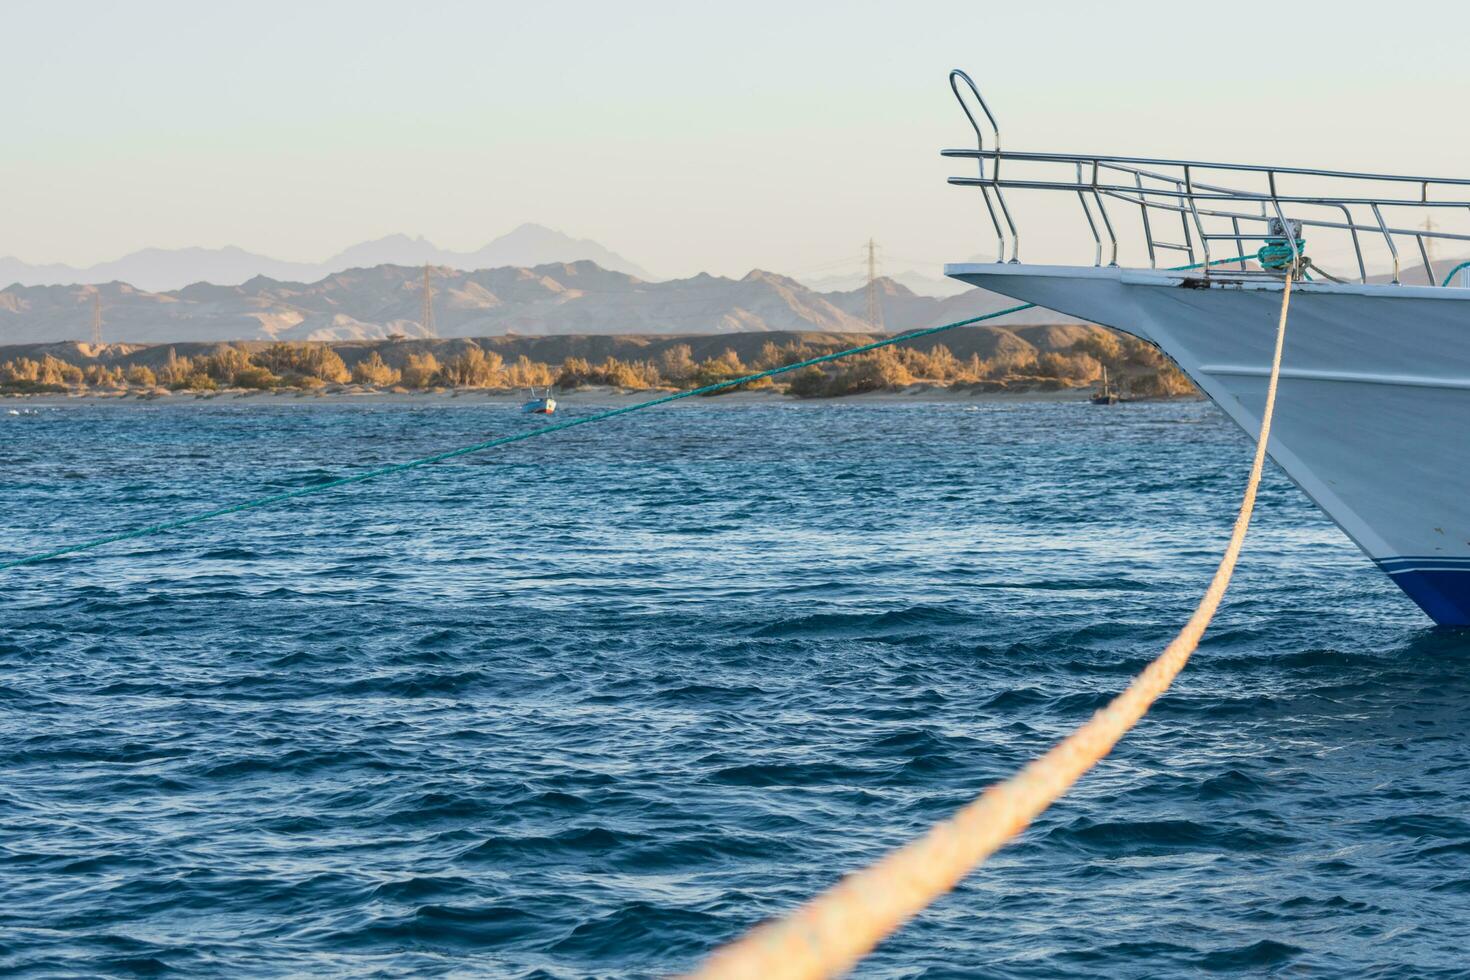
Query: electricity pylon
pixel 427 319
pixel 875 302
pixel 97 318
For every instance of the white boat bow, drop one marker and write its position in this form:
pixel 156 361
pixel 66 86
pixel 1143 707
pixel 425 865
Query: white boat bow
pixel 1373 413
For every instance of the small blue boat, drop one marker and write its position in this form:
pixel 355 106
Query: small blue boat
pixel 539 405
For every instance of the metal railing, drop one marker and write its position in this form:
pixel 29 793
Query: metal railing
pixel 1209 212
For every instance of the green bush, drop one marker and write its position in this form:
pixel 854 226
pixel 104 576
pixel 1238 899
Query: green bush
pixel 877 371
pixel 255 377
pixel 31 387
pixel 713 370
pixel 808 383
pixel 198 381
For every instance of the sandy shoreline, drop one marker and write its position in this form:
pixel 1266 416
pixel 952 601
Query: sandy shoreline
pixel 593 396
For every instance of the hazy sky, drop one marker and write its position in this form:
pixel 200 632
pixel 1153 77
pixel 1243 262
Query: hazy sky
pixel 687 136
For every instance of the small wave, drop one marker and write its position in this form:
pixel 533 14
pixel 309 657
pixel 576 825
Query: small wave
pixel 229 554
pixel 1155 836
pixel 864 624
pixel 1256 956
pixel 792 774
pixel 578 842
pixel 1232 785
pixel 710 694
pixel 1331 904
pixel 1420 825
pixel 442 927
pixel 633 927
pixel 420 684
pixel 422 888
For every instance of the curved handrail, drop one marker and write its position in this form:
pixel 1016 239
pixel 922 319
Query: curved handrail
pixel 1202 206
pixel 956 75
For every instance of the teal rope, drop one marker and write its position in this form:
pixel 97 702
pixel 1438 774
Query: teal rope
pixel 1278 254
pixel 1449 278
pixel 173 525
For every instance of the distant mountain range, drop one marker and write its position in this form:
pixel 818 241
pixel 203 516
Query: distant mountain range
pixel 918 282
pixel 160 269
pixel 548 299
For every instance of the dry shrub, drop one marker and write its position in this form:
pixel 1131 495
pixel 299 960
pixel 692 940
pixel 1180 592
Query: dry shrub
pixel 373 370
pixel 142 376
pixel 876 371
pixel 102 376
pixel 526 373
pixel 578 371
pixel 772 356
pixel 473 368
pixel 1166 382
pixel 676 365
pixel 1105 347
pixel 304 360
pixel 420 371
pixel 1068 367
pixel 48 374
pixel 226 363
pixel 176 370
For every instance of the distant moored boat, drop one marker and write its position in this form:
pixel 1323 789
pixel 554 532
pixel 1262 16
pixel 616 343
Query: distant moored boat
pixel 539 405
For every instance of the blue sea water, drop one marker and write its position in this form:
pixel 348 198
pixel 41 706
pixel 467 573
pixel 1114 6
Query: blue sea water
pixel 593 704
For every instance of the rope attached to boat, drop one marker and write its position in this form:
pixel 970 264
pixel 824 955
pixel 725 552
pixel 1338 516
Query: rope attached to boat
pixel 832 932
pixel 1277 254
pixel 1455 272
pixel 173 525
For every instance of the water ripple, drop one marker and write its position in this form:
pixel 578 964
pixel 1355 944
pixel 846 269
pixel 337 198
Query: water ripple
pixel 601 702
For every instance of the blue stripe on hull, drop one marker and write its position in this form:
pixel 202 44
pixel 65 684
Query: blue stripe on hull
pixel 1442 592
pixel 1413 564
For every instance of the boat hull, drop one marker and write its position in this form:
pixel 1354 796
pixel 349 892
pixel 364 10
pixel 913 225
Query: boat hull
pixel 1373 411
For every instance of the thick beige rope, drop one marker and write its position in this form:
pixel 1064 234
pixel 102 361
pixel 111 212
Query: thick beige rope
pixel 832 932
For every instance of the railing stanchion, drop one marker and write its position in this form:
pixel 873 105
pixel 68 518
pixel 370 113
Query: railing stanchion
pixel 1174 187
pixel 1392 248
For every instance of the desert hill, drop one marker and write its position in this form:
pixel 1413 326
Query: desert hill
pixel 384 301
